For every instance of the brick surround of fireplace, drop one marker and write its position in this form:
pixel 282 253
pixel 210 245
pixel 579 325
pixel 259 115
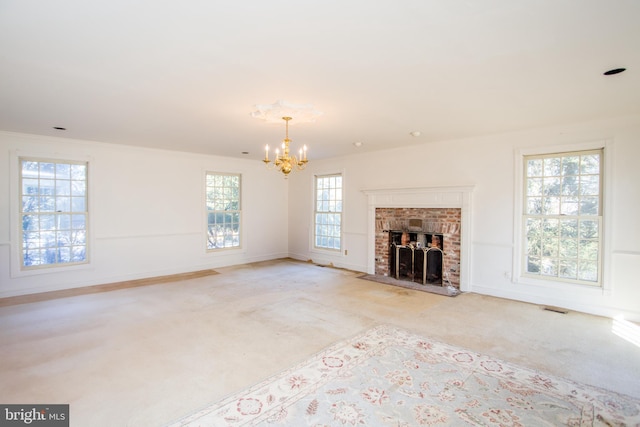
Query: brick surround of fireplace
pixel 444 221
pixel 443 210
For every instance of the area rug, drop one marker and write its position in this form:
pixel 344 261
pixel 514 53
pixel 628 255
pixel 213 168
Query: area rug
pixel 449 291
pixel 392 377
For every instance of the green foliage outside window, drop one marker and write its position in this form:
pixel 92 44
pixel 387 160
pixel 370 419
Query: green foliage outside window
pixel 223 210
pixel 563 220
pixel 328 212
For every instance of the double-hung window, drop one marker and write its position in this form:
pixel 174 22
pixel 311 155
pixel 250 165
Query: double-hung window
pixel 223 210
pixel 328 212
pixel 53 213
pixel 562 222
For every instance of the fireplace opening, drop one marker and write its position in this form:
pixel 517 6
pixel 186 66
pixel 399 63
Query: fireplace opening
pixel 437 210
pixel 416 256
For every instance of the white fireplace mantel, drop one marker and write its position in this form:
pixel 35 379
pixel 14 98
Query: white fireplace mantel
pixel 424 197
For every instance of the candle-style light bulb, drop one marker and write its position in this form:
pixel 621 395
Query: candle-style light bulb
pixel 266 153
pixel 305 151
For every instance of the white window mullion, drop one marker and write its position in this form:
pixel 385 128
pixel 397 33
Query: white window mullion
pixel 53 213
pixel 223 210
pixel 562 216
pixel 328 212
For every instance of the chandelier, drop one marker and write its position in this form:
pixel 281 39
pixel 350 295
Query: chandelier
pixel 284 162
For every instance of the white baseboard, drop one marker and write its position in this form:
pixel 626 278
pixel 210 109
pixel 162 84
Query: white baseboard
pixel 595 309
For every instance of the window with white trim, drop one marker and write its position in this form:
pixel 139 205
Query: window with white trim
pixel 223 210
pixel 562 221
pixel 328 212
pixel 53 213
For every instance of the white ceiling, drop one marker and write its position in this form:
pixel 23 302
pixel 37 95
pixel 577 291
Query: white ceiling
pixel 186 75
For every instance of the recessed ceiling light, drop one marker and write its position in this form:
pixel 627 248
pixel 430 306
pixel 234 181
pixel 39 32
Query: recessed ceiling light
pixel 614 71
pixel 358 144
pixel 415 133
pixel 245 152
pixel 59 128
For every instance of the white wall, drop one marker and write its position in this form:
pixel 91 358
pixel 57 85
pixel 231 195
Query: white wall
pixel 146 213
pixel 489 164
pixel 147 210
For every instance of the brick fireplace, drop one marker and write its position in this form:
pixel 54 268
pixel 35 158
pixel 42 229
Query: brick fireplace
pixel 441 222
pixel 442 211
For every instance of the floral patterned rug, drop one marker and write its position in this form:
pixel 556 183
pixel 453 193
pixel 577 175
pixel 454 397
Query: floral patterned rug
pixel 391 377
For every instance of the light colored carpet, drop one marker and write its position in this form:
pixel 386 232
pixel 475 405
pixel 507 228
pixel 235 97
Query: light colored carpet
pixel 391 377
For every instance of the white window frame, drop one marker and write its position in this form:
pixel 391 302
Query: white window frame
pixel 520 276
pixel 17 269
pixel 329 210
pixel 210 203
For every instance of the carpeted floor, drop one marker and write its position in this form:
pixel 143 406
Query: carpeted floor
pixel 147 355
pixel 391 377
pixel 440 290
